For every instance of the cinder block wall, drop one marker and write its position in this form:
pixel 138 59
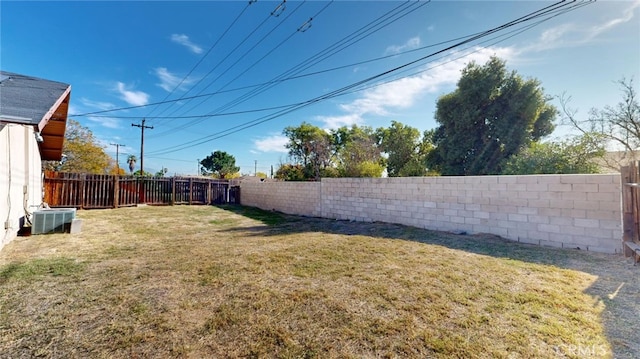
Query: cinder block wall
pixel 570 211
pixel 301 198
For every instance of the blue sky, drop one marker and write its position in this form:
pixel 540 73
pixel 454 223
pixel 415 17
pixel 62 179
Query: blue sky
pixel 248 65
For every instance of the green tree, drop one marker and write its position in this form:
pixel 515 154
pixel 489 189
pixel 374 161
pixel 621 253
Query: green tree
pixel 357 152
pixel 82 152
pixel 290 172
pixel 162 172
pixel 581 154
pixel 220 163
pixel 405 149
pixel 311 147
pixel 142 174
pixel 491 115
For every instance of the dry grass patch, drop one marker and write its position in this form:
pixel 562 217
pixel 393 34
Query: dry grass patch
pixel 238 282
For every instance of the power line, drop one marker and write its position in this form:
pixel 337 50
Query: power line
pixel 389 17
pixel 235 63
pixel 529 17
pixel 206 54
pixel 274 81
pixel 280 78
pixel 246 38
pixel 513 33
pixel 97 113
pixel 324 54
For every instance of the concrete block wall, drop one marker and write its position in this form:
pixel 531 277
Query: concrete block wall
pixel 569 211
pixel 301 198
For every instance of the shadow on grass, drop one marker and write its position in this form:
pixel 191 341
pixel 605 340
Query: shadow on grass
pixel 276 223
pixel 617 285
pixel 268 218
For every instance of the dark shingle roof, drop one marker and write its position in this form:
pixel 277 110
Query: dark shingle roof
pixel 26 99
pixel 36 102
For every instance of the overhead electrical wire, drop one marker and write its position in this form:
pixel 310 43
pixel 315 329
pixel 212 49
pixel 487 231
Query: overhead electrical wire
pixel 204 56
pixel 273 49
pixel 241 57
pixel 346 42
pixel 370 28
pixel 278 79
pixel 529 17
pixel 246 38
pixel 98 113
pixel 345 89
pixel 490 42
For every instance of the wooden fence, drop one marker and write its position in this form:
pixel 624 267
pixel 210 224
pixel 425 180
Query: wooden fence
pixel 631 210
pixel 89 191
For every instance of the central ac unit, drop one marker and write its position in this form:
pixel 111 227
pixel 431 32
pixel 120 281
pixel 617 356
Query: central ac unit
pixel 56 220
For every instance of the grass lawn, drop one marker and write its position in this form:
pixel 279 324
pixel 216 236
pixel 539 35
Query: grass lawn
pixel 196 282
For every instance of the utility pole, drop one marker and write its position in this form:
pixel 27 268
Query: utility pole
pixel 255 169
pixel 142 127
pixel 117 156
pixel 198 167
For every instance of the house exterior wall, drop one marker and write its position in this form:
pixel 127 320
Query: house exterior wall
pixel 20 178
pixel 571 211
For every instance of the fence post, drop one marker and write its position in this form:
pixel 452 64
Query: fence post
pixel 190 190
pixel 116 191
pixel 141 196
pixel 629 178
pixel 82 186
pixel 173 191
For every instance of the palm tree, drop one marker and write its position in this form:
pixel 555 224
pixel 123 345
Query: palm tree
pixel 131 160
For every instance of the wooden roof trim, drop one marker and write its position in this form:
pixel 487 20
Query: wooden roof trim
pixel 65 97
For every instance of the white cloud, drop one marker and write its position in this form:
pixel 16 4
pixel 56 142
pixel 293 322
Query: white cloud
pixel 169 81
pixel 412 43
pixel 274 143
pixel 399 94
pixel 106 121
pixel 73 110
pixel 555 34
pixel 183 40
pixel 333 122
pixel 97 104
pixel 444 73
pixel 625 17
pixel 134 98
pixel 567 35
pixel 404 92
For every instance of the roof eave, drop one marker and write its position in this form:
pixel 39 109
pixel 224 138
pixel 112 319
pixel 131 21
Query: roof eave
pixel 52 128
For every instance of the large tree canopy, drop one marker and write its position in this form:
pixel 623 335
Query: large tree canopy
pixel 311 147
pixel 220 163
pixel 491 115
pixel 405 149
pixel 81 152
pixel 357 152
